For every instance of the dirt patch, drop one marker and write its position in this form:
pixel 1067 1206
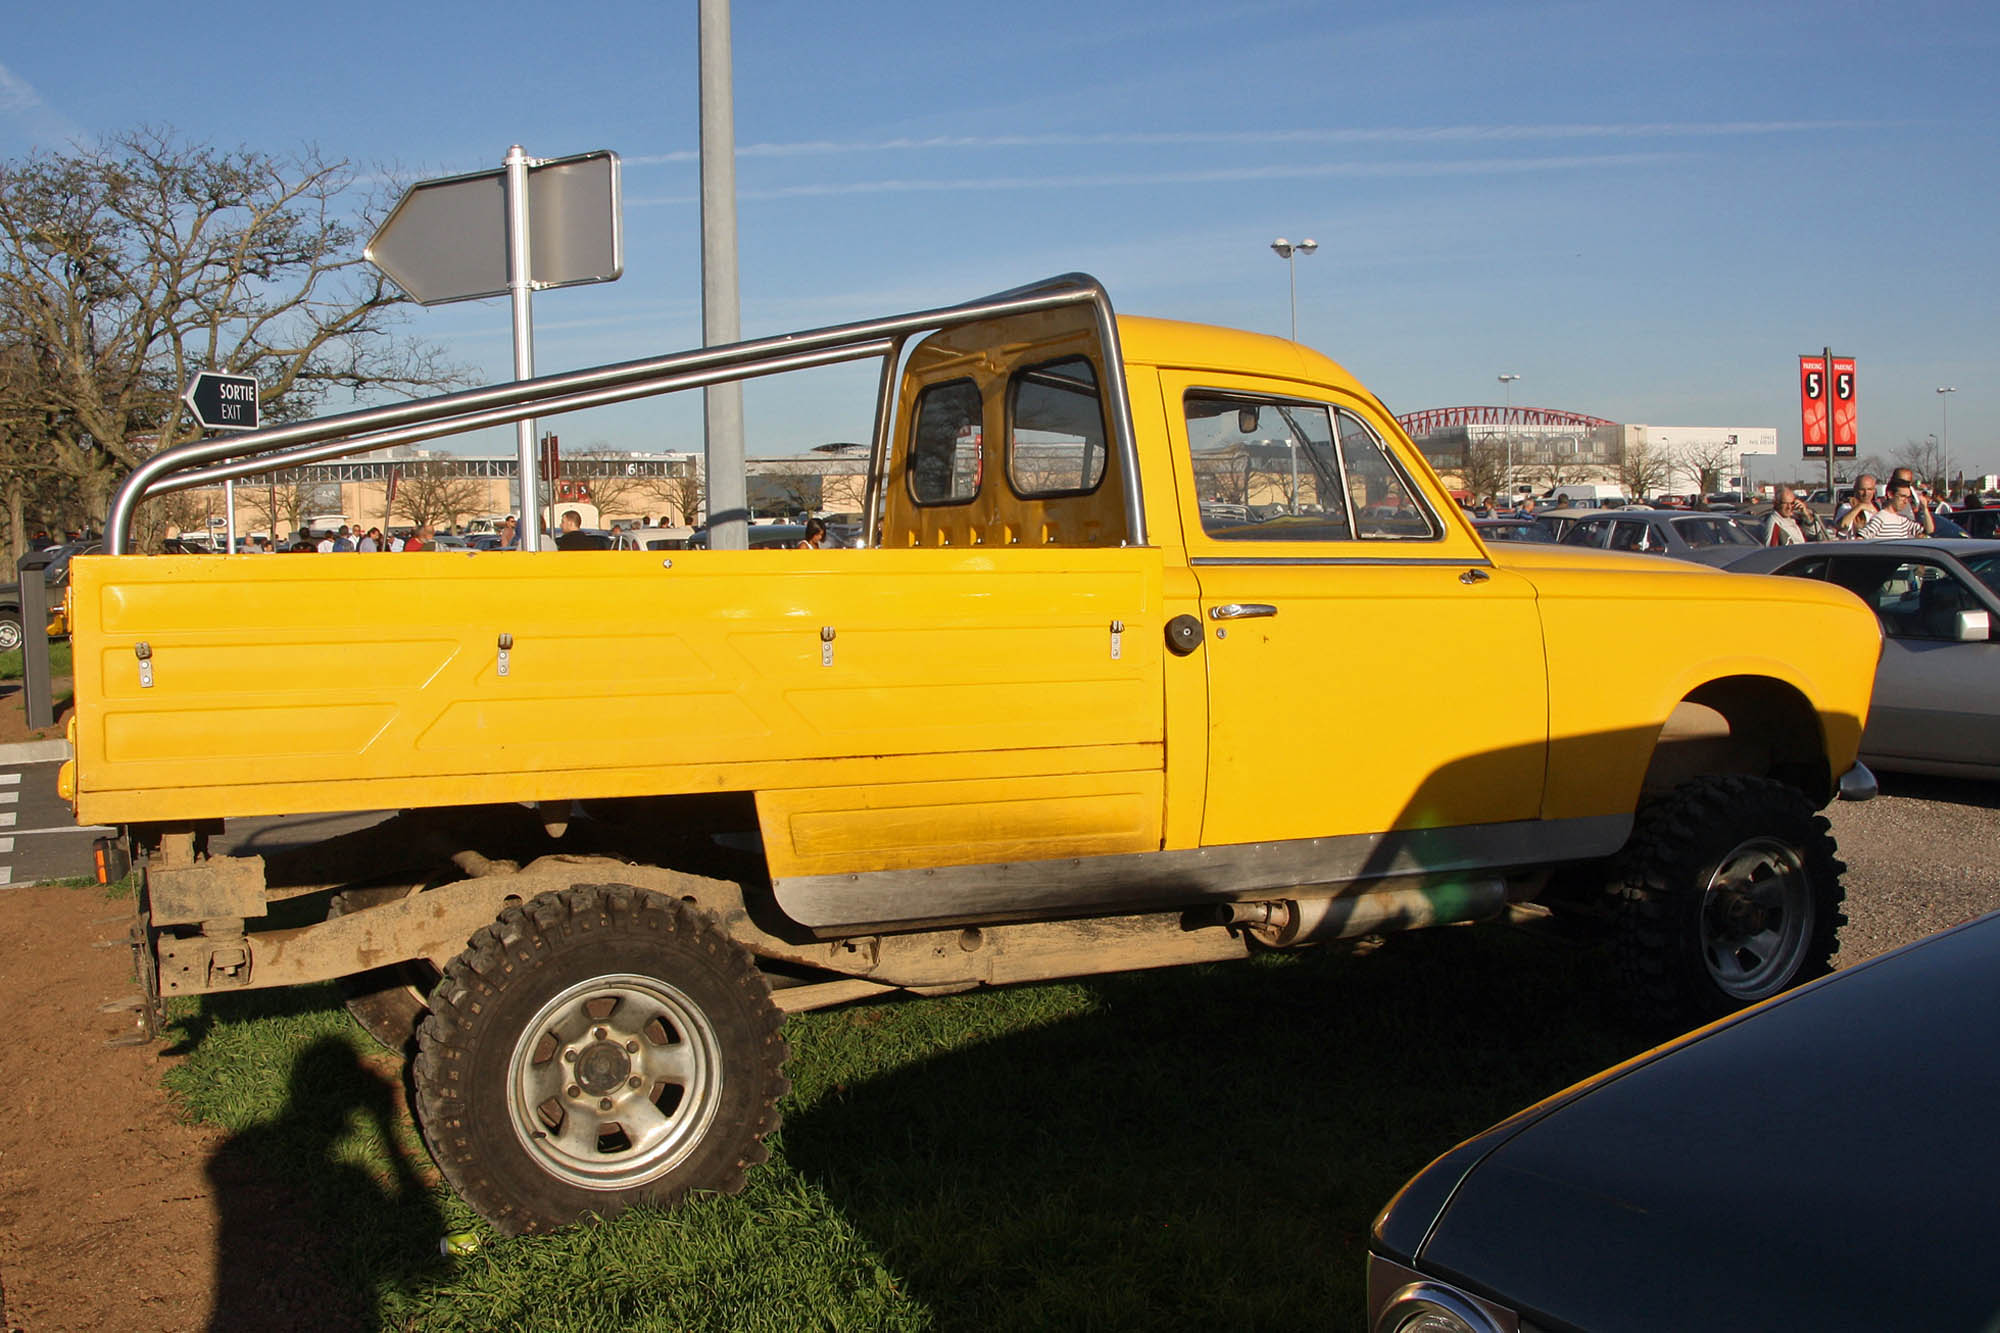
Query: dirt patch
pixel 14 712
pixel 109 1216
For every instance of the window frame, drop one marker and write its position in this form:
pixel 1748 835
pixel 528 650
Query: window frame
pixel 916 425
pixel 1014 381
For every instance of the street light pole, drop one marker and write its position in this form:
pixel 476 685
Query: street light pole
pixel 1507 420
pixel 1289 252
pixel 1945 403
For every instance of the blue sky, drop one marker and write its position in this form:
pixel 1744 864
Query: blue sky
pixel 1646 211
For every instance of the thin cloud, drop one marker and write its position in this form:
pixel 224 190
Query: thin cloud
pixel 1414 134
pixel 1217 175
pixel 19 99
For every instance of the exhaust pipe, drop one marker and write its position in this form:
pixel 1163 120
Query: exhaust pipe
pixel 1284 924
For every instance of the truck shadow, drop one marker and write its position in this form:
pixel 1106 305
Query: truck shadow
pixel 1202 1148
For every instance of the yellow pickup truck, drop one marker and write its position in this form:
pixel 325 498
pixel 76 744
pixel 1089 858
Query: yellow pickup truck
pixel 1165 646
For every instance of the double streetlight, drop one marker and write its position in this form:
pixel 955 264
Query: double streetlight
pixel 1946 445
pixel 1507 421
pixel 1289 252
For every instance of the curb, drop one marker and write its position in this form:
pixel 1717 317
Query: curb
pixel 34 752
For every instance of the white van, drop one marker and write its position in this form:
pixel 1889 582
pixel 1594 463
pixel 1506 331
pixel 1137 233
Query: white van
pixel 1586 495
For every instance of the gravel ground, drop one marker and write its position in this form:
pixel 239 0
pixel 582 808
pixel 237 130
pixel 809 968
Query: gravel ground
pixel 1921 856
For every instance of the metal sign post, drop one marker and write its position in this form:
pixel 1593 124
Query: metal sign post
pixel 534 224
pixel 226 403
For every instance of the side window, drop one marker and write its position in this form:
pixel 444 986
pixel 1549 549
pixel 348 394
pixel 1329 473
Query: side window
pixel 1814 568
pixel 1913 599
pixel 1055 426
pixel 1629 536
pixel 1386 503
pixel 945 448
pixel 1266 469
pixel 1584 534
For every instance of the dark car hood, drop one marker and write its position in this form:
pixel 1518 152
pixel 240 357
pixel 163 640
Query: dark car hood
pixel 1831 1163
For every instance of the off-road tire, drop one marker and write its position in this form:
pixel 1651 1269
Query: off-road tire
pixel 585 994
pixel 388 1002
pixel 1728 893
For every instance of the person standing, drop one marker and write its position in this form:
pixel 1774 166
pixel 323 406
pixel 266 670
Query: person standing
pixel 1897 518
pixel 420 540
pixel 1920 501
pixel 1784 525
pixel 371 541
pixel 815 536
pixel 1859 508
pixel 343 541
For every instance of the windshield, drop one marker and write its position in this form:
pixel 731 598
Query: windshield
pixel 1986 568
pixel 1715 530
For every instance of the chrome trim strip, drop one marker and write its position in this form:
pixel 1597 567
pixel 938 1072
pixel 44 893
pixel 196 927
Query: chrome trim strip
pixel 1471 561
pixel 1160 881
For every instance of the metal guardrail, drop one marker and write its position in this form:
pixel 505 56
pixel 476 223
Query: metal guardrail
pixel 209 462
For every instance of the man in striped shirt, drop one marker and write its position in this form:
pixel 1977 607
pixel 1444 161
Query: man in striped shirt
pixel 1897 517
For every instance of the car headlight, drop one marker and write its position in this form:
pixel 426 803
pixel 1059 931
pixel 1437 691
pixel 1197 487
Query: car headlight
pixel 1403 1300
pixel 1428 1307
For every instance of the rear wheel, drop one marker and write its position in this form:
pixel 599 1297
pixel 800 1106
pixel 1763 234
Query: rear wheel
pixel 593 1049
pixel 1728 894
pixel 10 629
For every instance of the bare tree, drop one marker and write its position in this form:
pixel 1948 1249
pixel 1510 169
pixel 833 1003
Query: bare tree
pixel 1709 463
pixel 279 499
pixel 127 265
pixel 685 493
pixel 791 488
pixel 1925 459
pixel 1484 471
pixel 1643 471
pixel 434 490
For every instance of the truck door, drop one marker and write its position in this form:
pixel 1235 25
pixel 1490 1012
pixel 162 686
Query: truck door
pixel 1368 668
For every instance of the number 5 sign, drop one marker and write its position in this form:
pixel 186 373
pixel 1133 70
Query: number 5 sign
pixel 1827 406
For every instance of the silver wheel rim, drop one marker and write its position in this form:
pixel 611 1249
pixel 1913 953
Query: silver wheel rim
pixel 614 1081
pixel 10 636
pixel 1756 919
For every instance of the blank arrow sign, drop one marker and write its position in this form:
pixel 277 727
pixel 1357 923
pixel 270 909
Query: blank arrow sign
pixel 447 238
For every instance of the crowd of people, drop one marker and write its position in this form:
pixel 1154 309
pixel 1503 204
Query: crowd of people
pixel 1871 512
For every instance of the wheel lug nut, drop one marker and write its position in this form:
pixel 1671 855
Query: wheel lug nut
pixel 632 1047
pixel 569 1056
pixel 632 1082
pixel 604 1105
pixel 573 1091
pixel 602 1033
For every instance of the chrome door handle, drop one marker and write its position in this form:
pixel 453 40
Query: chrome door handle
pixel 1241 610
pixel 1472 576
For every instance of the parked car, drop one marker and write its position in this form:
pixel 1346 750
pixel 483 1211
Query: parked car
pixel 1515 529
pixel 1936 705
pixel 1822 1161
pixel 1709 538
pixel 1978 522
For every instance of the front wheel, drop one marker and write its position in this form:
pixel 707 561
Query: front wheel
pixel 10 629
pixel 1728 893
pixel 593 1049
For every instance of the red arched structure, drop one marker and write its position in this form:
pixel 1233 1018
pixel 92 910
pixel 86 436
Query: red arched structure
pixel 1432 419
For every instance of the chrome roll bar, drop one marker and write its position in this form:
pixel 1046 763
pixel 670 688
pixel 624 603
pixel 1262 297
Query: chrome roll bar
pixel 207 462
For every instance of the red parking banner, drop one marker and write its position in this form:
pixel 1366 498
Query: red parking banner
pixel 1846 415
pixel 1812 405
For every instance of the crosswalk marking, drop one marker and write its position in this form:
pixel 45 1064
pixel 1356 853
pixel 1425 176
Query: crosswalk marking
pixel 6 844
pixel 10 798
pixel 10 779
pixel 7 818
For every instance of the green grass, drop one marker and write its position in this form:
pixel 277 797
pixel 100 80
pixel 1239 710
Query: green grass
pixel 1199 1148
pixel 59 660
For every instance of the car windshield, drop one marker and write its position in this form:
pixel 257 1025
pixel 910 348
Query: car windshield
pixel 1986 568
pixel 1708 530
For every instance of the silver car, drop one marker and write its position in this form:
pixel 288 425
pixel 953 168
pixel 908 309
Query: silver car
pixel 1936 707
pixel 1707 538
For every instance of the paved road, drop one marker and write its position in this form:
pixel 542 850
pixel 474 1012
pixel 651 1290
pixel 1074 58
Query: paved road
pixel 1920 856
pixel 39 838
